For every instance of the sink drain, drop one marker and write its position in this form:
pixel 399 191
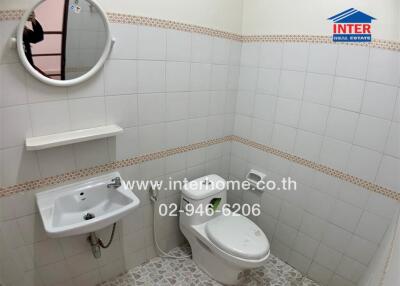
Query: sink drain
pixel 88 216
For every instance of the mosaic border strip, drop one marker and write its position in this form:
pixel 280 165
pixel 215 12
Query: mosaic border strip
pixel 168 24
pixel 108 167
pixel 96 170
pixel 321 168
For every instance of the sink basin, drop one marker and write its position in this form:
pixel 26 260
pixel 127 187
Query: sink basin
pixel 84 207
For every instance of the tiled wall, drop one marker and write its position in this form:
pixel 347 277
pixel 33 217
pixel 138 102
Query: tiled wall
pixel 166 88
pixel 337 105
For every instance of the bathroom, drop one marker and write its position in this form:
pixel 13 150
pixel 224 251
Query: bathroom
pixel 98 97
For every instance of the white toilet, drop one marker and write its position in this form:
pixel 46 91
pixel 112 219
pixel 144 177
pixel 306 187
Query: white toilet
pixel 222 245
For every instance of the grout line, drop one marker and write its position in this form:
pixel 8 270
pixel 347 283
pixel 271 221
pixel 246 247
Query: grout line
pixel 78 174
pixel 8 15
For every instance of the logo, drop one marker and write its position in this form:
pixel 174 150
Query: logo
pixel 352 26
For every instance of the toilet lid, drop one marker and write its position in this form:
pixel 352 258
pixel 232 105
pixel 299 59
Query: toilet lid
pixel 237 235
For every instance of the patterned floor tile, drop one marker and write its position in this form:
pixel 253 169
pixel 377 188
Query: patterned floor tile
pixel 184 272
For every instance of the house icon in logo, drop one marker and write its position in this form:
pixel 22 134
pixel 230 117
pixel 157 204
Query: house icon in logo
pixel 352 26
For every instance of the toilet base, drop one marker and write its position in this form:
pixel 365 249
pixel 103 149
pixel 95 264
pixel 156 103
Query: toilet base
pixel 216 267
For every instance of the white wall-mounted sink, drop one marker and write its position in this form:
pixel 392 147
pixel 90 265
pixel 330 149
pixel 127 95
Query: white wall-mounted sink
pixel 84 207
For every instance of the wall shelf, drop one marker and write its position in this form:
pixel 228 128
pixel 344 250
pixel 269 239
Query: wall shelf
pixel 71 137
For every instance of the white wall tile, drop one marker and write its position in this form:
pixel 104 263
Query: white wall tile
pixel 384 66
pixel 92 87
pixel 299 262
pixel 313 117
pixel 287 111
pixel 126 36
pixel 319 273
pixel 268 81
pixel 217 102
pixel 201 48
pixel 87 112
pixel 250 54
pixel 40 92
pixel 295 56
pixel 125 145
pixel 364 163
pixel 290 214
pixel 291 84
pixel 328 257
pixel 50 117
pixel 91 153
pixel 306 245
pixel 285 234
pixel 200 77
pixel 372 132
pixel 264 106
pixel 220 52
pixel 313 226
pixel 122 110
pixel 151 138
pixel 12 85
pixel 261 131
pixel 199 103
pixel 389 172
pixel 345 215
pixel 177 76
pixel 56 161
pixel 177 105
pixel 372 227
pixel 248 78
pixel 271 55
pixel 378 93
pixel 352 62
pixel 151 76
pixel 318 88
pixel 235 51
pixel 283 137
pixel 219 77
pixel 396 115
pixel 321 204
pixel 176 134
pixel 361 250
pixel 322 58
pixel 393 142
pixel 381 205
pixel 336 237
pixel 242 126
pixel 335 153
pixel 341 124
pixel 351 269
pixel 347 93
pixel 16 126
pixel 152 43
pixel 179 46
pixel 308 145
pixel 245 102
pixel 120 77
pixel 151 108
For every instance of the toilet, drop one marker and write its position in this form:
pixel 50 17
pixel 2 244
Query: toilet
pixel 223 245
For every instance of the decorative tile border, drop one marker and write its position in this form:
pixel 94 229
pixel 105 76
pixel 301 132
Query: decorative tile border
pixel 321 168
pixel 108 167
pixel 167 24
pixel 96 170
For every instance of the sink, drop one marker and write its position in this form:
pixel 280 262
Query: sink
pixel 84 207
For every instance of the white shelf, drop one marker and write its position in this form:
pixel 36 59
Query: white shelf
pixel 71 137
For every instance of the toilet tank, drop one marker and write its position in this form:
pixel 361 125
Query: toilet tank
pixel 199 195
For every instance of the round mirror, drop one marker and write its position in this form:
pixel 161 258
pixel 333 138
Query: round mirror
pixel 64 42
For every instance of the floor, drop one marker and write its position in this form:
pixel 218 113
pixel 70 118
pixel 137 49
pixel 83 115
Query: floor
pixel 184 272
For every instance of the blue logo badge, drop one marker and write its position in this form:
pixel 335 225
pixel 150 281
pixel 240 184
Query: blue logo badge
pixel 352 26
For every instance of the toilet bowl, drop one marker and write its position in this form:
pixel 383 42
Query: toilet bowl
pixel 223 244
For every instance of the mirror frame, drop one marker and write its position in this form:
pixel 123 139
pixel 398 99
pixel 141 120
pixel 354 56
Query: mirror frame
pixel 55 82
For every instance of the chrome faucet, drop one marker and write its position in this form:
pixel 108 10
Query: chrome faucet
pixel 116 183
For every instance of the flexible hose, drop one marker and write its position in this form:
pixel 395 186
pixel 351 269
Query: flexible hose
pixel 164 254
pixel 111 238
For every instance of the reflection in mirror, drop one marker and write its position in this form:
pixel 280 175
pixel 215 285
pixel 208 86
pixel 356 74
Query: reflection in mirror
pixel 64 39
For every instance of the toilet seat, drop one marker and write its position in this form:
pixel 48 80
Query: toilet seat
pixel 238 236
